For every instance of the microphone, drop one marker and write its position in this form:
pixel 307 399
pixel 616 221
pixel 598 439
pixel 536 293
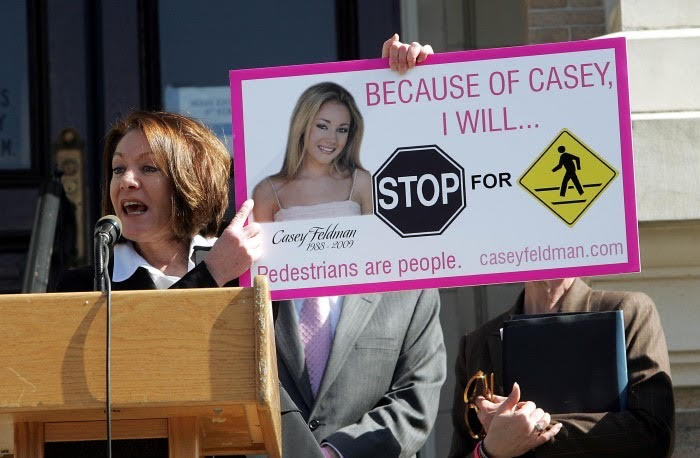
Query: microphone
pixel 107 231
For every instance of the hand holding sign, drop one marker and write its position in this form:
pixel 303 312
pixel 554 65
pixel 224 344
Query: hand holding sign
pixel 403 56
pixel 237 249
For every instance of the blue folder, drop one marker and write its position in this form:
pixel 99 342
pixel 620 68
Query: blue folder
pixel 567 362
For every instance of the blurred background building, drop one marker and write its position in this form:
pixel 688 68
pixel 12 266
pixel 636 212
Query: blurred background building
pixel 70 67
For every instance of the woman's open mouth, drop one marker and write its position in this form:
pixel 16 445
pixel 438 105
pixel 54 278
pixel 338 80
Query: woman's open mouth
pixel 133 207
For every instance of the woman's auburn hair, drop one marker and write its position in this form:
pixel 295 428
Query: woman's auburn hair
pixel 195 161
pixel 305 111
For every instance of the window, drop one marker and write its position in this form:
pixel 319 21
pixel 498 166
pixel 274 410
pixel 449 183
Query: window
pixel 201 41
pixel 15 153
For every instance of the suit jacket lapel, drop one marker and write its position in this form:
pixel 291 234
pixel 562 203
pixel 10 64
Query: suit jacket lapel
pixel 290 350
pixel 357 311
pixel 578 293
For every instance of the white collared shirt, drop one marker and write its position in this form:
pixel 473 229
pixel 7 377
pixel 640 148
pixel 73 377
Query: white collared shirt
pixel 127 260
pixel 336 303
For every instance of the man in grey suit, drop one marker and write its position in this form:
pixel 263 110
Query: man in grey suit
pixel 379 393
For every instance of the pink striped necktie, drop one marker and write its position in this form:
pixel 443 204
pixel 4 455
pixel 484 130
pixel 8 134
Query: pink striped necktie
pixel 315 333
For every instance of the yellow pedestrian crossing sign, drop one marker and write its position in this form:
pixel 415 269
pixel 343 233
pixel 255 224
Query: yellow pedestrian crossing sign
pixel 567 177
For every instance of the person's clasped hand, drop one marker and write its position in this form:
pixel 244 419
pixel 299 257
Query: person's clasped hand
pixel 237 248
pixel 513 427
pixel 403 56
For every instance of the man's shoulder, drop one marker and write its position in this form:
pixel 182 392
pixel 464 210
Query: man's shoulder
pixel 631 302
pixel 640 313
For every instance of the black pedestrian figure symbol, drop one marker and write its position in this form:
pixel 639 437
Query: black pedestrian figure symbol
pixel 567 160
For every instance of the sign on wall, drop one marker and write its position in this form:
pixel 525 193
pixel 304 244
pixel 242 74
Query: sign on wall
pixel 210 105
pixel 476 167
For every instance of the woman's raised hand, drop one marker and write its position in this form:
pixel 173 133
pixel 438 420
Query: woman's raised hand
pixel 237 249
pixel 403 56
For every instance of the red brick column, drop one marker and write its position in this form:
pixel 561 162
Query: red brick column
pixel 564 20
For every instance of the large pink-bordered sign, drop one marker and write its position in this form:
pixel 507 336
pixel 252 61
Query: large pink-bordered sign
pixel 476 167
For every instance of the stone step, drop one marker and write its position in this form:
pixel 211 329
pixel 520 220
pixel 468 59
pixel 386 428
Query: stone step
pixel 663 69
pixel 653 14
pixel 667 165
pixel 687 433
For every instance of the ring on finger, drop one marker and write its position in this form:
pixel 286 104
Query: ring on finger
pixel 538 427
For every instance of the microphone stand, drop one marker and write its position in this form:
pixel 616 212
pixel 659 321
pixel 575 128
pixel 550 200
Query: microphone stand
pixel 103 284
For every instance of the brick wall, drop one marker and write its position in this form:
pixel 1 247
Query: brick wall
pixel 564 20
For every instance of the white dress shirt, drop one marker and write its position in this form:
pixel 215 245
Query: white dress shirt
pixel 127 260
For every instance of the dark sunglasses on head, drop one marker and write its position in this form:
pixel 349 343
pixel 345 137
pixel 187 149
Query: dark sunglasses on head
pixel 479 384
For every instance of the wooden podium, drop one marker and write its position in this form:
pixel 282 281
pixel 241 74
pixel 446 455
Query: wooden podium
pixel 196 366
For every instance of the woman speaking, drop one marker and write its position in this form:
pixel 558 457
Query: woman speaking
pixel 166 178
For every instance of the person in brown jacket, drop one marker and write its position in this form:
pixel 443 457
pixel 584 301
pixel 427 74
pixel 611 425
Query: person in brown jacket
pixel 645 428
